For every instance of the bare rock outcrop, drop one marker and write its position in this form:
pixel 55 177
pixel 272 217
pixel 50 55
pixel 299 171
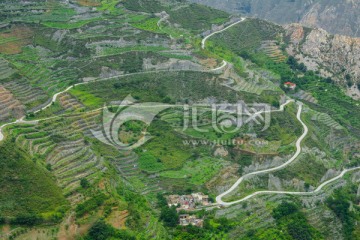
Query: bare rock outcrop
pixel 334 56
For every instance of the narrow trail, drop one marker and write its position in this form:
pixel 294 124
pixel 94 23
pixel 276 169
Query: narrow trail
pixel 224 64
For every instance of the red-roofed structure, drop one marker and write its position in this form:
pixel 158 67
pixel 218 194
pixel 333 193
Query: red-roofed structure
pixel 290 85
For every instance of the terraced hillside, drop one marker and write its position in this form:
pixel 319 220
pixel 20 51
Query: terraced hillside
pixel 10 107
pixel 60 144
pixel 249 36
pixel 225 125
pixel 28 95
pixel 272 49
pixel 6 71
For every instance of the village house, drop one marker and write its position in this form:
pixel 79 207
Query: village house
pixel 186 219
pixel 290 85
pixel 188 202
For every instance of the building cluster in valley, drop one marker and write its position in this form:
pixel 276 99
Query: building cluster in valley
pixel 188 203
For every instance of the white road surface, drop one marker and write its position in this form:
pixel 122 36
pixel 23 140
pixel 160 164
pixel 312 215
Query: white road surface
pixel 203 42
pixel 318 189
pixel 291 160
pixel 297 153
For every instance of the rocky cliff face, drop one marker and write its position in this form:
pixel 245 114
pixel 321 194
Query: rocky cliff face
pixel 334 56
pixel 340 17
pixel 335 16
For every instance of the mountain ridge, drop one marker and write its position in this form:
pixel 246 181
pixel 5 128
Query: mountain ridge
pixel 336 17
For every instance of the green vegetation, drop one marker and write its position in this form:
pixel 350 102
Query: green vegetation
pixel 69 25
pixel 149 24
pixel 243 160
pixel 86 98
pixel 141 217
pixel 169 87
pixel 219 52
pixel 90 205
pixel 247 36
pixel 291 223
pixel 197 172
pixel 166 146
pixel 197 17
pixel 190 16
pixel 133 18
pixel 131 131
pixel 181 57
pixel 168 215
pixel 331 99
pixel 214 228
pixel 57 44
pixel 143 6
pixel 100 231
pixel 114 51
pixel 84 183
pixel 27 190
pixel 308 168
pixel 340 203
pixel 211 134
pixel 149 163
pixel 111 6
pixel 54 11
pixel 283 127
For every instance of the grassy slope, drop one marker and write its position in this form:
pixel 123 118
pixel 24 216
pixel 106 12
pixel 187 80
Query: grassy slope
pixel 193 17
pixel 24 186
pixel 247 36
pixel 178 86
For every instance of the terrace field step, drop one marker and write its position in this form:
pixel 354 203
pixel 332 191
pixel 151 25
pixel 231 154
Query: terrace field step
pixel 327 120
pixel 9 106
pixel 23 91
pixel 61 155
pixel 69 156
pixel 89 157
pixel 5 70
pixel 64 182
pixel 78 169
pixel 70 103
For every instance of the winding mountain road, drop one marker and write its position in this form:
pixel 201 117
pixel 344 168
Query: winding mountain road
pixel 318 189
pixel 297 153
pixel 219 200
pixel 55 96
pixel 203 42
pixel 109 78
